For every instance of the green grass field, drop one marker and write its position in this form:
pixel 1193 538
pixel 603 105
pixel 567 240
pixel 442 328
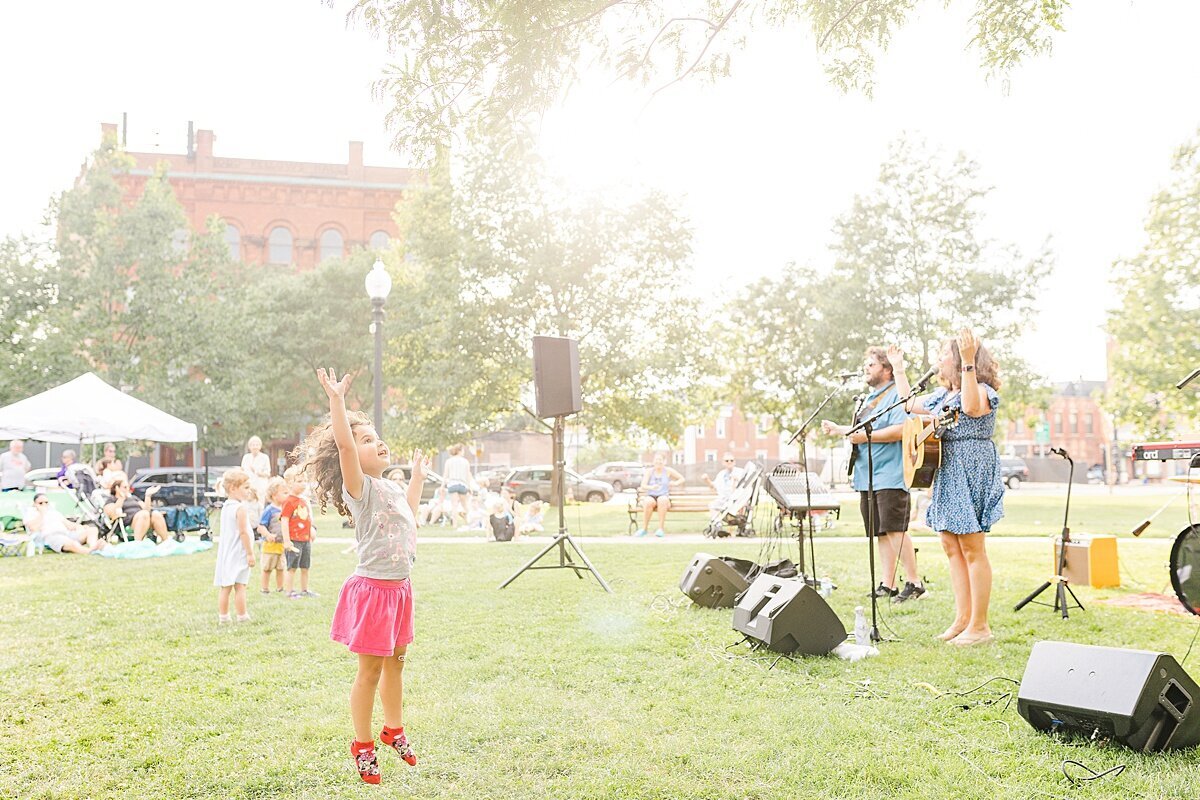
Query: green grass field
pixel 116 682
pixel 1026 514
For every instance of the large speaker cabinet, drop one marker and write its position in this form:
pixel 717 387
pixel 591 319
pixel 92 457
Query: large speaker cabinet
pixel 712 582
pixel 556 388
pixel 1141 699
pixel 788 616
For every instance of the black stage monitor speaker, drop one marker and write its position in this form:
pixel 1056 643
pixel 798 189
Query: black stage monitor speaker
pixel 1140 699
pixel 712 582
pixel 556 389
pixel 788 616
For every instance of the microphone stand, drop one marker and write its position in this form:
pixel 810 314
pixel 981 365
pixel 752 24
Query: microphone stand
pixel 1063 588
pixel 867 426
pixel 802 436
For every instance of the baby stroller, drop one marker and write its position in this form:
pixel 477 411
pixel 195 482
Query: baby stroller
pixel 735 514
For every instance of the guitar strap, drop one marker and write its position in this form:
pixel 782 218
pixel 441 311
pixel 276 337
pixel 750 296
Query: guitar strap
pixel 862 414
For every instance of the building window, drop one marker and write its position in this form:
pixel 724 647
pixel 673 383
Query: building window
pixel 1074 422
pixel 1058 423
pixel 233 240
pixel 279 246
pixel 710 456
pixel 699 431
pixel 677 457
pixel 762 428
pixel 721 428
pixel 760 455
pixel 332 245
pixel 1089 424
pixel 1019 427
pixel 379 240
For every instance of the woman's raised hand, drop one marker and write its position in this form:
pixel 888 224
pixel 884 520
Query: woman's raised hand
pixel 895 358
pixel 968 345
pixel 332 386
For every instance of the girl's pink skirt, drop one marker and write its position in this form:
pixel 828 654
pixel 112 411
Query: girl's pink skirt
pixel 373 617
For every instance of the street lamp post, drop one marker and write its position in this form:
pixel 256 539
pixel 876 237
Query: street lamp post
pixel 379 285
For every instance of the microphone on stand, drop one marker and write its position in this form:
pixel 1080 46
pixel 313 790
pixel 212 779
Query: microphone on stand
pixel 926 378
pixel 845 376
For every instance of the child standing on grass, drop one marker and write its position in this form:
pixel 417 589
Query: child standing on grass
pixel 274 537
pixel 235 551
pixel 296 523
pixel 374 616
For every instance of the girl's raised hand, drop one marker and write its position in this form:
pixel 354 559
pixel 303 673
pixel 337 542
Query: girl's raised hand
pixel 332 386
pixel 421 464
pixel 895 358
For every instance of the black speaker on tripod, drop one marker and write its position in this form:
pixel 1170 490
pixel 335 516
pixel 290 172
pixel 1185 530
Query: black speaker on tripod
pixel 787 616
pixel 556 386
pixel 714 582
pixel 1141 699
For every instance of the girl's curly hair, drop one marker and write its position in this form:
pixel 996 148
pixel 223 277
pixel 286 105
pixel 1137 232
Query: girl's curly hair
pixel 318 455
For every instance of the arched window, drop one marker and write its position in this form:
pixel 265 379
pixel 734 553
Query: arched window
pixel 279 246
pixel 233 239
pixel 332 245
pixel 379 240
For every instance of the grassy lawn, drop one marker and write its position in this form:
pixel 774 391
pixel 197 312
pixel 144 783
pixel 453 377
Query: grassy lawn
pixel 1026 514
pixel 115 682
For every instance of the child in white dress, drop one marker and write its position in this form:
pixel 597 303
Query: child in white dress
pixel 235 551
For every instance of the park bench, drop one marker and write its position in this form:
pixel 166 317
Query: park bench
pixel 685 502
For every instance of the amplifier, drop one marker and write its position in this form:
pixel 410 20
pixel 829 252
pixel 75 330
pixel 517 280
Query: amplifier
pixel 1091 560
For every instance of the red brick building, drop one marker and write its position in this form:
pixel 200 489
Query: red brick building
pixel 290 213
pixel 730 431
pixel 1075 421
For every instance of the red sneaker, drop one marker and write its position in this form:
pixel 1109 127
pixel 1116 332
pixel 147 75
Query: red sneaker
pixel 395 738
pixel 366 762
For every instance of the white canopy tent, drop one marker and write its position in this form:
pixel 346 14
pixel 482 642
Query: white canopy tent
pixel 88 410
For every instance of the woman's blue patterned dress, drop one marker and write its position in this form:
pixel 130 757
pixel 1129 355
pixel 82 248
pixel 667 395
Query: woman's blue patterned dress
pixel 968 493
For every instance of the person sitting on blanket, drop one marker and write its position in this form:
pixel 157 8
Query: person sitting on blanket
pixel 138 515
pixel 48 527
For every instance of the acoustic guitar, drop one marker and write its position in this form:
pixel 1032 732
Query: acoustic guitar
pixel 921 446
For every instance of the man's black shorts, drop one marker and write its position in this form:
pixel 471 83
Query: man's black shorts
pixel 891 510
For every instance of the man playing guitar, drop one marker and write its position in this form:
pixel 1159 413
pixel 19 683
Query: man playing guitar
pixel 891 495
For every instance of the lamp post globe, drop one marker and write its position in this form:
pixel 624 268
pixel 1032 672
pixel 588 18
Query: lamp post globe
pixel 379 286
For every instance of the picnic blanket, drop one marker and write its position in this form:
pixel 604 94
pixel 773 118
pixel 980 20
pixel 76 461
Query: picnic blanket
pixel 147 549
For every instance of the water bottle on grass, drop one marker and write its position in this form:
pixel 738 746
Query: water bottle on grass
pixel 862 631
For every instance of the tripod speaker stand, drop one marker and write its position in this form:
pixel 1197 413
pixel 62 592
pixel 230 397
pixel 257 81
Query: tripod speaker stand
pixel 1062 588
pixel 557 394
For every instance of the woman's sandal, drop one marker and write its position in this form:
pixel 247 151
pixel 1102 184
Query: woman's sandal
pixel 968 641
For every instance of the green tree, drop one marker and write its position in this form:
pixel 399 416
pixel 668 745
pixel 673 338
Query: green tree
pixel 503 254
pixel 35 355
pixel 910 268
pixel 1154 324
pixel 472 61
pixel 155 309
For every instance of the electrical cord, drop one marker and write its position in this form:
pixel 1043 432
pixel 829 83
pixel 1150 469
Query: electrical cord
pixel 1193 642
pixel 1092 774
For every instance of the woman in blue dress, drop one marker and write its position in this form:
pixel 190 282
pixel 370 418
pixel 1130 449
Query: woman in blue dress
pixel 968 494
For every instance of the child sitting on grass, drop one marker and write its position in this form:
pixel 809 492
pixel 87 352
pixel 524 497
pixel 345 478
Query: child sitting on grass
pixel 235 551
pixel 374 616
pixel 532 519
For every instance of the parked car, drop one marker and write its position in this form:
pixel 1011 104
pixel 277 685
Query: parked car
pixel 1095 474
pixel 620 475
pixel 403 473
pixel 533 483
pixel 175 484
pixel 493 479
pixel 1013 471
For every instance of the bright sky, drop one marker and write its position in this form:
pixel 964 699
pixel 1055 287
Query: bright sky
pixel 761 163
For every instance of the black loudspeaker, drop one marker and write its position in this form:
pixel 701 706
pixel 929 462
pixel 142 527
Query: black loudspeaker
pixel 787 616
pixel 713 582
pixel 556 389
pixel 1140 699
